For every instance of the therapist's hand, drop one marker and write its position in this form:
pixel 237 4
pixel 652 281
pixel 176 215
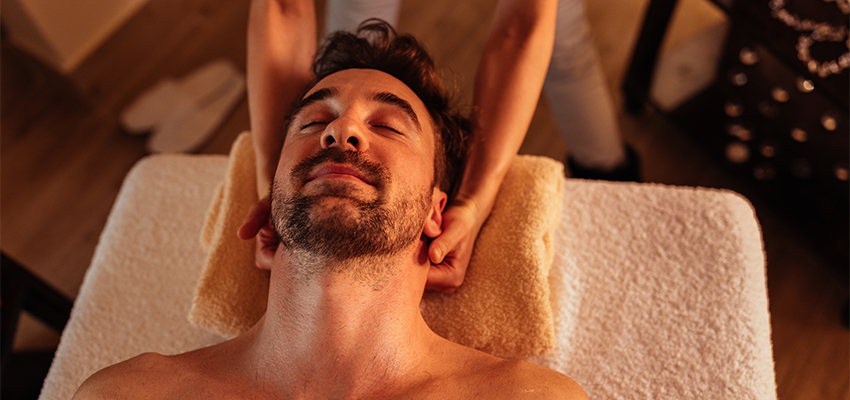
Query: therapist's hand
pixel 451 250
pixel 257 224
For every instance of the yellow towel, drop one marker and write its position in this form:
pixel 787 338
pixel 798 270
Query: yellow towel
pixel 502 308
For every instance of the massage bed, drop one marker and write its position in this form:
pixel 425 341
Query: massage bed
pixel 657 292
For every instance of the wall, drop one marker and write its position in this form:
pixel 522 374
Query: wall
pixel 62 33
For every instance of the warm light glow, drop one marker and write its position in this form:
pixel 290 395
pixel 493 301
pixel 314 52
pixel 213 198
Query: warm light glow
pixel 804 85
pixel 734 108
pixel 779 94
pixel 738 79
pixel 768 149
pixel 739 131
pixel 737 152
pixel 829 122
pixel 747 56
pixel 799 135
pixel 841 173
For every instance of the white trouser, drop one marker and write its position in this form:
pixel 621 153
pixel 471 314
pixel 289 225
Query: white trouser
pixel 578 93
pixel 575 85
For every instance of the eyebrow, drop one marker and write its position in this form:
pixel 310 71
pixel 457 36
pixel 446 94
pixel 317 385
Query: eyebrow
pixel 393 100
pixel 381 97
pixel 314 97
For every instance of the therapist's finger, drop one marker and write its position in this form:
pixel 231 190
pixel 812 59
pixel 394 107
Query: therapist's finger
pixel 267 244
pixel 440 247
pixel 257 217
pixel 447 275
pixel 444 278
pixel 455 230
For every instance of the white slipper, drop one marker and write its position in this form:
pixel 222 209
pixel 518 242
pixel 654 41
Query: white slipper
pixel 153 106
pixel 192 122
pixel 150 107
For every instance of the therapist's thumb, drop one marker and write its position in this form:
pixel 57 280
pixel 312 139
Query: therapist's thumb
pixel 257 217
pixel 447 241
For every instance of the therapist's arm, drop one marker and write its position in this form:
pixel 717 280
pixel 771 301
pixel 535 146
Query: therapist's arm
pixel 281 45
pixel 507 85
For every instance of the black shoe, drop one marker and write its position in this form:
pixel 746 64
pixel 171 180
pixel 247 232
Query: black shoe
pixel 628 172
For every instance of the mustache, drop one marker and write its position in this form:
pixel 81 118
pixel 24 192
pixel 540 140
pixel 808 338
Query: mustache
pixel 374 172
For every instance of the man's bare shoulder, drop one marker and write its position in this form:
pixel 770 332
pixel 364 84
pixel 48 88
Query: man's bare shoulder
pixel 142 377
pixel 527 380
pixel 515 379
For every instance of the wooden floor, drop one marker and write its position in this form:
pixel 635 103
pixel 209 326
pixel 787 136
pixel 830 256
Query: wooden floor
pixel 63 155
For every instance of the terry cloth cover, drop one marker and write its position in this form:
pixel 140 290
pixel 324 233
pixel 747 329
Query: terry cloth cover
pixel 502 308
pixel 658 291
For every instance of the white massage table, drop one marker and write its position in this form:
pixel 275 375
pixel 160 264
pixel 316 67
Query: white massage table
pixel 658 291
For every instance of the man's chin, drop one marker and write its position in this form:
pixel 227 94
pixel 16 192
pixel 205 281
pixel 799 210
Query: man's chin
pixel 337 206
pixel 339 188
pixel 336 210
pixel 332 210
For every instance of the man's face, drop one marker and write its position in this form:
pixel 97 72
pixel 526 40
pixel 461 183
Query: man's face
pixel 355 177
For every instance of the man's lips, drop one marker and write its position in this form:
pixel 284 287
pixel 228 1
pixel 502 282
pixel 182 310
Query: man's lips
pixel 337 171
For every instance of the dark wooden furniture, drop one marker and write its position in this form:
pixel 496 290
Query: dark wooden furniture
pixel 24 372
pixel 769 118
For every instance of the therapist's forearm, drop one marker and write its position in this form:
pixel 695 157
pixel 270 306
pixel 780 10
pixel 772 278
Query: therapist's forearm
pixel 507 86
pixel 281 45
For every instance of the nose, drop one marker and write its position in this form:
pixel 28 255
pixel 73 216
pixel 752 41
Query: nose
pixel 347 133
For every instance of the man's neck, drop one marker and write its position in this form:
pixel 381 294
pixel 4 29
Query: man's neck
pixel 339 329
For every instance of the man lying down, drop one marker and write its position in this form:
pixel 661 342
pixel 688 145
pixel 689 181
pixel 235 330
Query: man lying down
pixel 360 188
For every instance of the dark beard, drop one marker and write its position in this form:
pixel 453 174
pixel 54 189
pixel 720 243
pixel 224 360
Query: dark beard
pixel 366 229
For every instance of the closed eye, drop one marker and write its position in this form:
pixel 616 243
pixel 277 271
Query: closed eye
pixel 312 123
pixel 387 127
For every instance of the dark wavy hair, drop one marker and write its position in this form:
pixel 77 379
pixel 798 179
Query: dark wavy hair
pixel 376 45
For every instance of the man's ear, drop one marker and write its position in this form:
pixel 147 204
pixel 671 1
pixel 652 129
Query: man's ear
pixel 434 221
